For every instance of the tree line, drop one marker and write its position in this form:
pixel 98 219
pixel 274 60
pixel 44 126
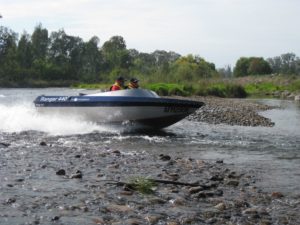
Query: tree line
pixel 46 57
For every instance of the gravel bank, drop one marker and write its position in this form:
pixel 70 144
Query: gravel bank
pixel 230 111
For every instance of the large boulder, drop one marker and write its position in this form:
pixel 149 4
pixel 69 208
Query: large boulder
pixel 297 98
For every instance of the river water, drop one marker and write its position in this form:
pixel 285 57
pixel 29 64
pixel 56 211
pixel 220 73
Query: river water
pixel 273 152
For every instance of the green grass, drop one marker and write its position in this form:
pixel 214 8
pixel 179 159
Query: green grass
pixel 294 86
pixel 142 185
pixel 165 89
pixel 262 88
pixel 259 86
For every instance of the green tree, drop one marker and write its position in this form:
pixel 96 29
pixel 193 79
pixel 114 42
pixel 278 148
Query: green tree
pixel 258 66
pixel 251 66
pixel 9 70
pixel 24 51
pixel 116 56
pixel 192 68
pixel 241 67
pixel 92 61
pixel 40 43
pixel 64 55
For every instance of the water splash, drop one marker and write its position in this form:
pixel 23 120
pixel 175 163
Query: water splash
pixel 24 117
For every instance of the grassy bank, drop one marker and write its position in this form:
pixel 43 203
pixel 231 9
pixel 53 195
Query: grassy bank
pixel 251 86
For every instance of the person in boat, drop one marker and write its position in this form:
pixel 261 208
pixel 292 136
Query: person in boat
pixel 133 84
pixel 118 85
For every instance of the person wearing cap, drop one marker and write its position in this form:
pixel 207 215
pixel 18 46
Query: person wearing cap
pixel 118 85
pixel 133 83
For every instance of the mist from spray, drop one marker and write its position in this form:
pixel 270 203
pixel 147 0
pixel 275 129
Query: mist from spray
pixel 23 117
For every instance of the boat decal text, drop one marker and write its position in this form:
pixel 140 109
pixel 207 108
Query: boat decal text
pixel 54 99
pixel 173 109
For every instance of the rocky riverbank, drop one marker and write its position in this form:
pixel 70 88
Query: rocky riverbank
pixel 240 112
pixel 51 180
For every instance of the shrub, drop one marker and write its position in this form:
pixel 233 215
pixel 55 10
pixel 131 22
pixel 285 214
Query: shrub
pixel 235 91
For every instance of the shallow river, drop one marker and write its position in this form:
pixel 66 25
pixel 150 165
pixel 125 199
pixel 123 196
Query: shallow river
pixel 273 152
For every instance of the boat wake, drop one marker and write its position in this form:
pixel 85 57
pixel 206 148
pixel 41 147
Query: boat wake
pixel 24 117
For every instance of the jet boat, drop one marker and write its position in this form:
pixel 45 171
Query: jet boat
pixel 138 106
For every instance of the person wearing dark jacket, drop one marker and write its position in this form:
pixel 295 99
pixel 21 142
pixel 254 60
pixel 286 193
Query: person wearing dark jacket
pixel 133 84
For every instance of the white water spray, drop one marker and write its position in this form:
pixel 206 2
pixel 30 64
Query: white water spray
pixel 24 117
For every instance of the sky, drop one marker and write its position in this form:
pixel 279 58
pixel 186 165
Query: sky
pixel 220 31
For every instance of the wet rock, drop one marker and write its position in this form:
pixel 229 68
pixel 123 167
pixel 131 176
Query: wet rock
pixel 179 201
pixel 234 183
pixel 10 200
pixel 55 218
pixel 211 221
pixel 119 208
pixel 164 157
pixel 219 161
pixel 116 152
pixel 238 203
pixel 277 195
pixel 134 222
pixel 19 180
pixel 153 218
pixel 9 185
pixel 233 175
pixel 217 177
pixel 4 145
pixel 172 223
pixel 209 185
pixel 205 194
pixel 250 211
pixel 194 190
pixel 43 143
pixel 157 201
pixel 126 193
pixel 221 206
pixel 77 175
pixel 113 166
pixel 99 221
pixel 61 172
pixel 77 156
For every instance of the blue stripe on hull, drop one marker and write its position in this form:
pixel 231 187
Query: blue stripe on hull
pixel 85 101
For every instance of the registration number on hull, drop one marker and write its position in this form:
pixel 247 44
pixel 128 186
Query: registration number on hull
pixel 174 109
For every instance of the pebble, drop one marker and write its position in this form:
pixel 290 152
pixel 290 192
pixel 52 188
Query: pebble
pixel 194 190
pixel 55 218
pixel 221 206
pixel 250 211
pixel 179 201
pixel 99 221
pixel 43 143
pixel 277 195
pixel 61 172
pixel 234 183
pixel 10 200
pixel 134 222
pixel 164 157
pixel 126 193
pixel 4 145
pixel 77 175
pixel 119 208
pixel 153 218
